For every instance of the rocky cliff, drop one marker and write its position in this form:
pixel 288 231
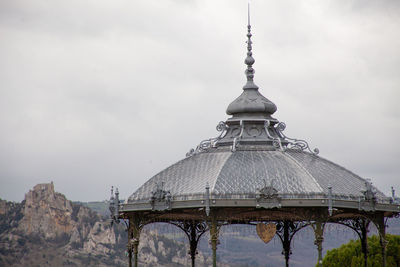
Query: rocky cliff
pixel 47 229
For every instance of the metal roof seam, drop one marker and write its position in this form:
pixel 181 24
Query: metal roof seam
pixel 218 175
pixel 345 169
pixel 305 170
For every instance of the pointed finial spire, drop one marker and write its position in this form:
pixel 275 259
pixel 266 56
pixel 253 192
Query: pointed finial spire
pixel 248 13
pixel 251 101
pixel 249 61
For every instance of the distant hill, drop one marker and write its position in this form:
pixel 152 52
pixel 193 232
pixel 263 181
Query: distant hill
pixel 101 207
pixel 46 229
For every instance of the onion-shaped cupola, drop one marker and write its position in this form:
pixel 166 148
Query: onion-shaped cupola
pixel 251 122
pixel 251 103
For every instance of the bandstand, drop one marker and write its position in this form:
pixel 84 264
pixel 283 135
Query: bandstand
pixel 253 173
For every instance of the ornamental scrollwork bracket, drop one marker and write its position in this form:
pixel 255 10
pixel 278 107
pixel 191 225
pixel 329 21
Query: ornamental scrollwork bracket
pixel 276 141
pixel 160 199
pixel 293 143
pixel 211 142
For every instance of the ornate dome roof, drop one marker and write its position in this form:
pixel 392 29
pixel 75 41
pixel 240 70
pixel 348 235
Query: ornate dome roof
pixel 243 173
pixel 252 162
pixel 253 173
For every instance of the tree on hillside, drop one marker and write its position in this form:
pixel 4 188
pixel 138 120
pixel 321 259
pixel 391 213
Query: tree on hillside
pixel 350 254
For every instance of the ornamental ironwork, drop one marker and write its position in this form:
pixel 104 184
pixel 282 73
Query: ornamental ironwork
pixel 267 197
pixel 160 199
pixel 293 143
pixel 114 205
pixel 211 142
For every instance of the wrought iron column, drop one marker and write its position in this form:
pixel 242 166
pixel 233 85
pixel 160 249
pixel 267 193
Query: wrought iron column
pixel 135 227
pixel 360 226
pixel 193 244
pixel 197 229
pixel 319 238
pixel 286 242
pixel 214 231
pixel 135 241
pixel 382 237
pixel 129 248
pixel 379 220
pixel 193 230
pixel 364 240
pixel 286 231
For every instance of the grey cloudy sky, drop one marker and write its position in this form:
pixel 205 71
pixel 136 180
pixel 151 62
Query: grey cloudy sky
pixel 101 93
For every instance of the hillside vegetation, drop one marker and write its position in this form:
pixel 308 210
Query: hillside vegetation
pixel 350 254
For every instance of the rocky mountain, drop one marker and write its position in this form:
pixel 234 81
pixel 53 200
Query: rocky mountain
pixel 47 229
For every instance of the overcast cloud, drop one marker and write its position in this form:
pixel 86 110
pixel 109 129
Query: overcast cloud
pixel 101 93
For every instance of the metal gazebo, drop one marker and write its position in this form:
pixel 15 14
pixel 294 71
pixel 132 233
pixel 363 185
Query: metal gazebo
pixel 253 173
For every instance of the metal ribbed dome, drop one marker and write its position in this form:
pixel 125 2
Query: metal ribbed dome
pixel 253 161
pixel 241 174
